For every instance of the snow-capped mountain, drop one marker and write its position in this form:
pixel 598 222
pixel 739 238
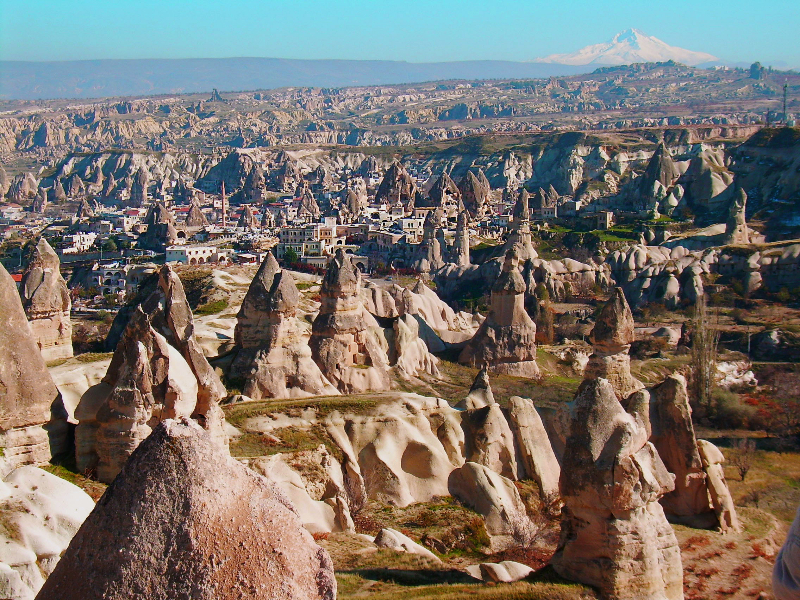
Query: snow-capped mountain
pixel 630 46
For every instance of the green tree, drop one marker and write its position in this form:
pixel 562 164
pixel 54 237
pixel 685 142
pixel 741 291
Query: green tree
pixel 110 245
pixel 290 257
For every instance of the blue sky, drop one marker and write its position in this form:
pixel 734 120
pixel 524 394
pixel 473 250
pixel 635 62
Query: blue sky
pixel 413 30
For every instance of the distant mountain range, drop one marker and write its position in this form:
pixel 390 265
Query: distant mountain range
pixel 109 78
pixel 628 47
pixel 146 77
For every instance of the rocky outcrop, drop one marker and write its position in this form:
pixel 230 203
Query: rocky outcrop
pixel 47 304
pixel 506 340
pixel 674 438
pixel 537 459
pixel 309 208
pixel 444 191
pixel 461 244
pixel 488 441
pixel 475 193
pixel 157 372
pixel 497 499
pixel 611 339
pixel 409 353
pixel 480 394
pixel 195 217
pixel 222 530
pixel 40 514
pixel 27 392
pixel 736 225
pixel 161 231
pixel 399 542
pixel 519 238
pixel 401 452
pixel 397 186
pixel 346 341
pixel 274 358
pixel 718 490
pixel 247 219
pixel 614 535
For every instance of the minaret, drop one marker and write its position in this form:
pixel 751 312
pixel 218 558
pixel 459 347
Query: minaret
pixel 224 202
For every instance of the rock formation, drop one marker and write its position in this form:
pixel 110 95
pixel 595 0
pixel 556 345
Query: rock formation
pixel 430 250
pixel 718 490
pixel 611 338
pixel 346 341
pixel 480 394
pixel 444 191
pixel 538 461
pixel 475 191
pixel 409 352
pixel 195 216
pixel 183 520
pixel 27 391
pixel 520 235
pixel 506 340
pixel 497 499
pixel 157 372
pixel 674 438
pixel 398 186
pixel 461 244
pixel 736 225
pixel 40 513
pixel 161 231
pixel 47 304
pixel 309 208
pixel 84 210
pixel 614 535
pixel 274 358
pixel 488 440
pixel 247 219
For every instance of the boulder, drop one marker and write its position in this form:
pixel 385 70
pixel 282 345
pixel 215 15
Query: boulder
pixel 183 520
pixel 497 499
pixel 47 304
pixel 614 535
pixel 506 341
pixel 272 352
pixel 27 392
pixel 394 540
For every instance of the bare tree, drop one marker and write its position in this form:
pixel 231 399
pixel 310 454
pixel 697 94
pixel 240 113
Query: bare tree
pixel 744 450
pixel 705 341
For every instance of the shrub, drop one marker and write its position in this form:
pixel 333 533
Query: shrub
pixel 212 308
pixel 730 412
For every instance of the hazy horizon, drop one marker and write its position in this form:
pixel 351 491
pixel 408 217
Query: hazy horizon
pixel 449 31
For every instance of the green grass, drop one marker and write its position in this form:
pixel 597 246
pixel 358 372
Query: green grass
pixel 94 488
pixel 397 584
pixel 305 285
pixel 237 414
pixel 90 357
pixel 212 308
pixel 291 439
